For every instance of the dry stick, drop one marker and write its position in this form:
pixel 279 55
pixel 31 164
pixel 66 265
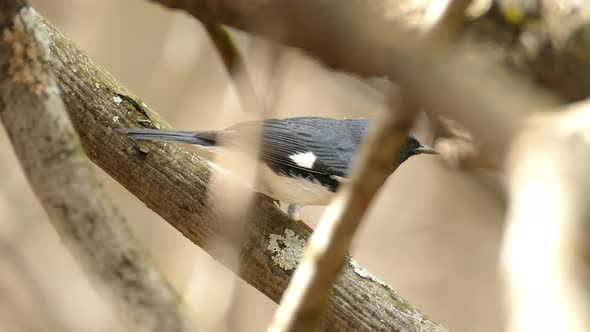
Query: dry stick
pixel 308 293
pixel 173 182
pixel 62 178
pixel 546 249
pixel 232 201
pixel 239 158
pixel 442 19
pixel 440 24
pixel 230 198
pixel 235 65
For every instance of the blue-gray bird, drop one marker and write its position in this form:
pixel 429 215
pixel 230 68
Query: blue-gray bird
pixel 304 159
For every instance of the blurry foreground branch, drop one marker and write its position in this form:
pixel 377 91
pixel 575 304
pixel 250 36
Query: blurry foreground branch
pixel 543 40
pixel 173 182
pixel 62 178
pixel 546 249
pixel 306 297
pixel 236 67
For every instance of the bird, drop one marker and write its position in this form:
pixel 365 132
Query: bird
pixel 304 160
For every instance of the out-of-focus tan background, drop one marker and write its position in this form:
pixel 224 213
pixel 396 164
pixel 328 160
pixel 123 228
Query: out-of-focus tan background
pixel 433 233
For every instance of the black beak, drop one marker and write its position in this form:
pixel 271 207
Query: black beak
pixel 425 149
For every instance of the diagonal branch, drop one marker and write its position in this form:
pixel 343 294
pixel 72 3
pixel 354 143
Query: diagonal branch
pixel 51 155
pixel 308 293
pixel 545 250
pixel 173 182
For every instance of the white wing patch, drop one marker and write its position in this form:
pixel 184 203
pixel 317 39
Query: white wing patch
pixel 304 159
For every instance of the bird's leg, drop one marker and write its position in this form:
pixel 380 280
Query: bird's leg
pixel 293 211
pixel 276 202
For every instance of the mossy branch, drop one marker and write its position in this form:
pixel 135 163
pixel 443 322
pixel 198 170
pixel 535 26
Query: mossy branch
pixel 62 178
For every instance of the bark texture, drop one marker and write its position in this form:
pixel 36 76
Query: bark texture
pixel 61 176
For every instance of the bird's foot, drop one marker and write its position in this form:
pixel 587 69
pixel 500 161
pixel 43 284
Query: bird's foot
pixel 276 202
pixel 293 211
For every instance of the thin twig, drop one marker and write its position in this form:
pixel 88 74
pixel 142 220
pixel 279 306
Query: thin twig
pixel 308 293
pixel 231 197
pixel 50 153
pixel 442 19
pixel 235 65
pixel 440 29
pixel 231 200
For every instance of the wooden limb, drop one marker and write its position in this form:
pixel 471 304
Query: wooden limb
pixel 230 192
pixel 174 183
pixel 308 293
pixel 541 40
pixel 235 65
pixel 61 176
pixel 443 19
pixel 546 250
pixel 440 25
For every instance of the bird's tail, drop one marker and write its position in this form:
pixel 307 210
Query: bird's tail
pixel 188 137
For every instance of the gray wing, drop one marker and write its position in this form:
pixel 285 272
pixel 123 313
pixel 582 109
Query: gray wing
pixel 334 143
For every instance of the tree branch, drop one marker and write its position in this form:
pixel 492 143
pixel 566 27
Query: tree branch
pixel 547 269
pixel 236 67
pixel 306 297
pixel 173 182
pixel 442 19
pixel 61 176
pixel 542 40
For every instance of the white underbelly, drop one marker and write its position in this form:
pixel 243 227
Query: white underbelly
pixel 286 189
pixel 291 190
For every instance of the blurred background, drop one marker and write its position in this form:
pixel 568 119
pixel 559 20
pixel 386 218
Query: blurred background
pixel 433 234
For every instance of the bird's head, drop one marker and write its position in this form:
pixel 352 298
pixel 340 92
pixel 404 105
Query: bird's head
pixel 414 147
